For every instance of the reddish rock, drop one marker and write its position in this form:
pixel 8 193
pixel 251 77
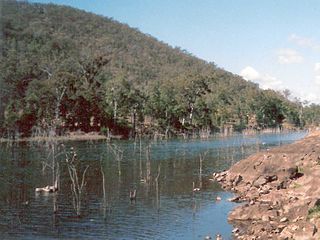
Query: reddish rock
pixel 280 185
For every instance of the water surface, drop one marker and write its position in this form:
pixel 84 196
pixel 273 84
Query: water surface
pixel 174 212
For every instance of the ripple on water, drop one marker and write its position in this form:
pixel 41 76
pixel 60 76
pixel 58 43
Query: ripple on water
pixel 179 215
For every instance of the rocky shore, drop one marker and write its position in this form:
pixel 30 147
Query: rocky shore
pixel 280 191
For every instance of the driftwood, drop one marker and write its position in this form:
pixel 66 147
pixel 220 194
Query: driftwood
pixel 50 189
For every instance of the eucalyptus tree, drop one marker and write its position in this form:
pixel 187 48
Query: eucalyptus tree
pixel 125 102
pixel 163 106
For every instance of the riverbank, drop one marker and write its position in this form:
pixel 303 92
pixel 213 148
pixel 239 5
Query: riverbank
pixel 280 188
pixel 70 137
pixel 91 136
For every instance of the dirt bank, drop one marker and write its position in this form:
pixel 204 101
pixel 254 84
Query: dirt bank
pixel 281 190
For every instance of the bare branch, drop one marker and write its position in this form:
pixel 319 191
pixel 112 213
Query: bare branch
pixel 83 176
pixel 46 70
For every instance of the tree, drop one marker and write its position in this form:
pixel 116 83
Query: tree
pixel 72 70
pixel 163 106
pixel 124 101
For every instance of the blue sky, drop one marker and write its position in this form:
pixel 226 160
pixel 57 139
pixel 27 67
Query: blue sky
pixel 275 43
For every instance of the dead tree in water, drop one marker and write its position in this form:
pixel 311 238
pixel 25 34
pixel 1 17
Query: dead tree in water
pixel 201 159
pixel 77 185
pixel 49 130
pixel 140 159
pixel 55 171
pixel 106 202
pixel 157 187
pixel 52 162
pixel 148 164
pixel 104 192
pixel 118 153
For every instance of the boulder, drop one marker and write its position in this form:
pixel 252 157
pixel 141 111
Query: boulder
pixel 284 219
pixel 307 232
pixel 237 180
pixel 271 178
pixel 315 203
pixel 260 182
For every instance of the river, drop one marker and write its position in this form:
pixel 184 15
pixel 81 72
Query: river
pixel 167 210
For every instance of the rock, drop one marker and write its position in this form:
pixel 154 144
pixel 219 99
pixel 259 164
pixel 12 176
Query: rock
pixel 294 172
pixel 284 219
pixel 282 185
pixel 279 212
pixel 315 203
pixel 237 180
pixel 293 198
pixel 224 173
pixel 236 199
pixel 271 178
pixel 285 234
pixel 277 231
pixel 220 178
pixel 265 218
pixel 307 232
pixel 264 191
pixel 298 219
pixel 236 230
pixel 271 213
pixel 218 198
pixel 218 237
pixel 260 182
pixel 310 228
pixel 239 214
pixel 281 227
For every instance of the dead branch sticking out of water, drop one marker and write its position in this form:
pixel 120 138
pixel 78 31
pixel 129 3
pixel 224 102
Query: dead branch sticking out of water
pixel 140 160
pixel 104 204
pixel 148 164
pixel 201 159
pixel 118 153
pixel 52 162
pixel 157 187
pixel 77 185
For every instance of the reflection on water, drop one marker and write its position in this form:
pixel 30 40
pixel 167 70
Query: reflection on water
pixel 167 210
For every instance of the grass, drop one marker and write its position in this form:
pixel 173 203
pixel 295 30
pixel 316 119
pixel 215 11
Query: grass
pixel 314 212
pixel 296 185
pixel 300 170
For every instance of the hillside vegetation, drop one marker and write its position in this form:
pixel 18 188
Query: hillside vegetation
pixel 66 69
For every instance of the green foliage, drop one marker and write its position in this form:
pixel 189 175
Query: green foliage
pixel 104 131
pixel 314 212
pixel 311 115
pixel 163 106
pixel 69 69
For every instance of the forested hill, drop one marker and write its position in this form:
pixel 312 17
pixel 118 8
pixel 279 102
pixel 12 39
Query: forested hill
pixel 66 69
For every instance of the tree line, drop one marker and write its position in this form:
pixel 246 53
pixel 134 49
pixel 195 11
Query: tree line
pixel 68 70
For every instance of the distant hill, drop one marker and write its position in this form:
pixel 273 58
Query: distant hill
pixel 66 69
